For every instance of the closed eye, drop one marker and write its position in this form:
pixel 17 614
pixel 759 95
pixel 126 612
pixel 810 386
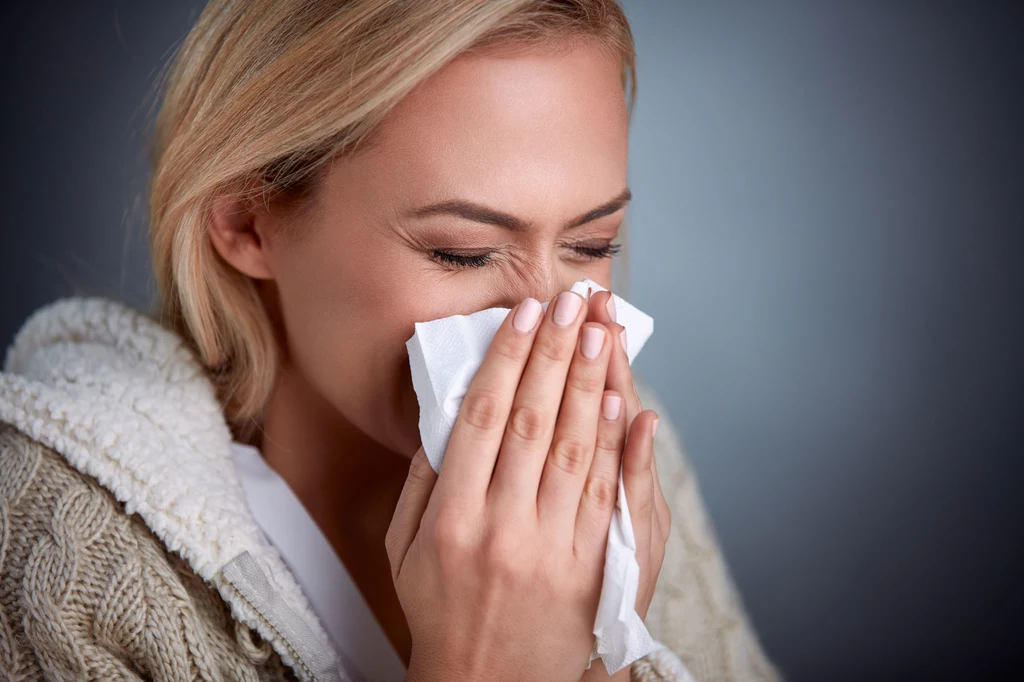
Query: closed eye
pixel 479 260
pixel 606 251
pixel 460 260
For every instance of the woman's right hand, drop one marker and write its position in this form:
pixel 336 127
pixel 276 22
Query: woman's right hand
pixel 498 561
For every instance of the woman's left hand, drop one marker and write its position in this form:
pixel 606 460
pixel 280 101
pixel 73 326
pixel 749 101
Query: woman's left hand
pixel 647 506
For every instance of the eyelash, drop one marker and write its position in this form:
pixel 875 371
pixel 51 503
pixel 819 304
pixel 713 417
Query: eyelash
pixel 480 260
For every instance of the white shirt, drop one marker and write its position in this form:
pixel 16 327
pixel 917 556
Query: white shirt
pixel 363 649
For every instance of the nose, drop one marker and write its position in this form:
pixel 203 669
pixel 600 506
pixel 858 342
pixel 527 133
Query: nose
pixel 542 284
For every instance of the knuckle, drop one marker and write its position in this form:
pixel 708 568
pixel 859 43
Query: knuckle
pixel 609 439
pixel 645 510
pixel 569 455
pixel 553 347
pixel 601 492
pixel 509 347
pixel 504 555
pixel 586 381
pixel 526 423
pixel 452 535
pixel 481 410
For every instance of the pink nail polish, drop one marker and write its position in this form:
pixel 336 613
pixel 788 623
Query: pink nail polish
pixel 527 314
pixel 567 307
pixel 654 428
pixel 611 307
pixel 593 341
pixel 622 337
pixel 610 406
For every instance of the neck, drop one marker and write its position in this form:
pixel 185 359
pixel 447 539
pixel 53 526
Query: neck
pixel 348 483
pixel 325 459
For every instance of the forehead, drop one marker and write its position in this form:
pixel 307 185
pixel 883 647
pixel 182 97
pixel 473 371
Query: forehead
pixel 506 127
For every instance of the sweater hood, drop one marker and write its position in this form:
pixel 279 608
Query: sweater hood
pixel 125 402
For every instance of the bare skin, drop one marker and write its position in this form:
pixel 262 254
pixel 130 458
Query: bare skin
pixel 534 146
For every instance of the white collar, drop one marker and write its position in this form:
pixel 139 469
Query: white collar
pixel 362 646
pixel 125 401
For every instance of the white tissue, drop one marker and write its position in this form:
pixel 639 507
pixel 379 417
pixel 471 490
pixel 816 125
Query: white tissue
pixel 444 355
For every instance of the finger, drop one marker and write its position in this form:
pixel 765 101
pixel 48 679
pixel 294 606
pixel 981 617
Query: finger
pixel 602 485
pixel 601 307
pixel 572 447
pixel 656 557
pixel 638 481
pixel 405 523
pixel 620 376
pixel 479 428
pixel 660 504
pixel 650 567
pixel 531 422
pixel 659 538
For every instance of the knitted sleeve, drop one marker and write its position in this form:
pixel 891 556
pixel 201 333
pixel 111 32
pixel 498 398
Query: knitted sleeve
pixel 88 593
pixel 697 612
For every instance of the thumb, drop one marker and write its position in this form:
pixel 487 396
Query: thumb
pixel 411 504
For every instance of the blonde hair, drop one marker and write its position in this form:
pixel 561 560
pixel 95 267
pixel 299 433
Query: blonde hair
pixel 262 93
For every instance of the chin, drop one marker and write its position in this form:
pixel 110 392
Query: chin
pixel 401 437
pixel 405 431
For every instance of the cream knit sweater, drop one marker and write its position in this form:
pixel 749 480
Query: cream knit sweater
pixel 127 551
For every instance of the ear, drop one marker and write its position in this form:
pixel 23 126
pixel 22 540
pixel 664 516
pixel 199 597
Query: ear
pixel 238 234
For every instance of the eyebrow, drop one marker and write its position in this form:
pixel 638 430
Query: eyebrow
pixel 483 214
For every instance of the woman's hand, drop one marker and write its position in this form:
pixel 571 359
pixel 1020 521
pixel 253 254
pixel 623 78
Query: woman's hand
pixel 647 506
pixel 498 561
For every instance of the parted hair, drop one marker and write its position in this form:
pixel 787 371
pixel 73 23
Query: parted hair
pixel 262 94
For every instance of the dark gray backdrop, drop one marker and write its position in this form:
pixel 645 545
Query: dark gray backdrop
pixel 827 230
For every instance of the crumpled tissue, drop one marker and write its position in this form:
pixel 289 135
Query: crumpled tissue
pixel 444 356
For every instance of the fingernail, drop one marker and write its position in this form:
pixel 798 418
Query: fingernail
pixel 527 315
pixel 593 340
pixel 622 337
pixel 611 307
pixel 566 308
pixel 654 428
pixel 610 406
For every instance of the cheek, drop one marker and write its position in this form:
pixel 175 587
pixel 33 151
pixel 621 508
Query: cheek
pixel 600 271
pixel 346 321
pixel 352 352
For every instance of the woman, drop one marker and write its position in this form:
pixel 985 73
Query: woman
pixel 227 493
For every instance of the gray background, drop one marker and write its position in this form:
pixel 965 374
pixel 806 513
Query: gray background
pixel 827 228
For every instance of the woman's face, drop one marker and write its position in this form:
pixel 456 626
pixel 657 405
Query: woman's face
pixel 501 177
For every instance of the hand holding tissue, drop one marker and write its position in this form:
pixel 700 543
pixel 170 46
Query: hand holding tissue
pixel 444 356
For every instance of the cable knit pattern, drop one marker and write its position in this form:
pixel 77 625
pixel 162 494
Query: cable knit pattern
pixel 120 510
pixel 87 592
pixel 124 401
